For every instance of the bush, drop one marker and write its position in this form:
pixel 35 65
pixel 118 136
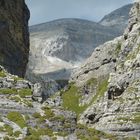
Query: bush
pixel 25 92
pixel 71 99
pixel 8 129
pixel 36 115
pixel 6 138
pixel 17 133
pixel 17 118
pixel 2 74
pixel 8 91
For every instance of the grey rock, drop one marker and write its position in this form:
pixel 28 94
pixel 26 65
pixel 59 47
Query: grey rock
pixel 116 111
pixel 37 92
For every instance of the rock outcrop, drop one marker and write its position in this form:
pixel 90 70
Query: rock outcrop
pixel 14 36
pixel 114 99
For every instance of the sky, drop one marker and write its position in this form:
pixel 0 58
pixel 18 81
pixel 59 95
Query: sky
pixel 94 10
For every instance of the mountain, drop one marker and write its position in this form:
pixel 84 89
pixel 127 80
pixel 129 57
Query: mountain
pixel 14 36
pixel 118 18
pixel 58 47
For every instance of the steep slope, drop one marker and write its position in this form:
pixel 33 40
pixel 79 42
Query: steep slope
pixel 14 37
pixel 109 81
pixel 23 115
pixel 118 18
pixel 58 47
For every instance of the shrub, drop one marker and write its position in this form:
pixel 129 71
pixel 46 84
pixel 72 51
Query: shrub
pixel 25 92
pixel 36 115
pixel 71 99
pixel 17 118
pixel 8 129
pixel 15 98
pixel 17 133
pixel 2 74
pixel 8 91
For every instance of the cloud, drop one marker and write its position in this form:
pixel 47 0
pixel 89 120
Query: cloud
pixel 47 10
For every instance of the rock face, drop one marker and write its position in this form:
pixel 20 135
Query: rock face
pixel 14 37
pixel 115 96
pixel 118 18
pixel 59 47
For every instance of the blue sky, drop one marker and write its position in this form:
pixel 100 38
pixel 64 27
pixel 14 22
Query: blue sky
pixel 48 10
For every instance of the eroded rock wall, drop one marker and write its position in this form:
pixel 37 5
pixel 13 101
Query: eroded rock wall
pixel 14 36
pixel 115 105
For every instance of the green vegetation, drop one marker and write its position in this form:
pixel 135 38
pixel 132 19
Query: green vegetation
pixel 17 78
pixel 48 113
pixel 34 134
pixel 126 119
pixel 25 92
pixel 58 118
pixel 63 134
pixel 17 133
pixel 71 99
pixel 132 90
pixel 101 89
pixel 72 96
pixel 133 54
pixel 36 115
pixel 118 48
pixel 28 103
pixel 17 118
pixel 130 138
pixel 21 92
pixel 85 133
pixel 92 81
pixel 136 118
pixel 2 74
pixel 8 129
pixel 6 138
pixel 15 98
pixel 8 91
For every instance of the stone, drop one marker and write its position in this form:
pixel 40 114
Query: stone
pixel 37 92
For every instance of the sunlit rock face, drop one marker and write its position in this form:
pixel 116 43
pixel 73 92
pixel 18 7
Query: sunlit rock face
pixel 110 79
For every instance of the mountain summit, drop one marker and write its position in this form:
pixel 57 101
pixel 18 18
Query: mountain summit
pixel 118 18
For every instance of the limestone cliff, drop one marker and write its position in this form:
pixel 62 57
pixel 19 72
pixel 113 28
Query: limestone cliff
pixel 14 37
pixel 110 83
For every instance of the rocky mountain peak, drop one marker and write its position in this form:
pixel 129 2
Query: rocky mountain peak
pixel 118 18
